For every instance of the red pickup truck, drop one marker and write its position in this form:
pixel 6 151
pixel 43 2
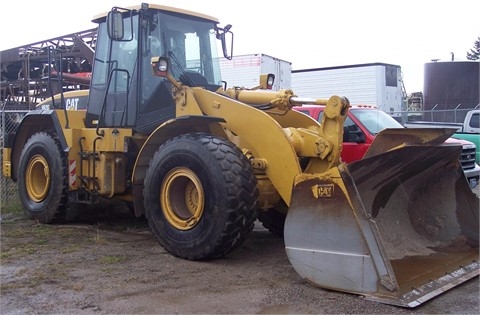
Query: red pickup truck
pixel 364 122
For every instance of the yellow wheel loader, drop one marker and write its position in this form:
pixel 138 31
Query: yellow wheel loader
pixel 200 161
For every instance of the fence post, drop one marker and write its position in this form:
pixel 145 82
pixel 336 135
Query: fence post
pixel 431 112
pixel 455 112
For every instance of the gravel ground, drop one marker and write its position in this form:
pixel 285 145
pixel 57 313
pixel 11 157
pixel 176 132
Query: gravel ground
pixel 115 266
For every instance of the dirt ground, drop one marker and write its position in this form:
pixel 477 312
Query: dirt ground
pixel 111 264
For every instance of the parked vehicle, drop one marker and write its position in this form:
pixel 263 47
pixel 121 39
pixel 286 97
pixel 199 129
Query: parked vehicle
pixel 244 70
pixel 378 84
pixel 471 124
pixel 469 130
pixel 365 122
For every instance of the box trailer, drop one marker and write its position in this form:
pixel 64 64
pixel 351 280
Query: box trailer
pixel 245 70
pixel 378 84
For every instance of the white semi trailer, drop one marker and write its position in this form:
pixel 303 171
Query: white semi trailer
pixel 244 70
pixel 378 84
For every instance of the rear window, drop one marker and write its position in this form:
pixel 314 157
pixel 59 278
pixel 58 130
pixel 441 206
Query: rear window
pixel 475 121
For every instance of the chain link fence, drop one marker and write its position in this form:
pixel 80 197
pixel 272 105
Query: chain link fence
pixel 9 120
pixel 455 115
pixel 435 115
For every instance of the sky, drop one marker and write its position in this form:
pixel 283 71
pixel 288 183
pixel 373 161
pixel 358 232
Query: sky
pixel 307 33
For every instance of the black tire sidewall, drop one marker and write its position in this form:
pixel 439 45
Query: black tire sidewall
pixel 48 209
pixel 200 161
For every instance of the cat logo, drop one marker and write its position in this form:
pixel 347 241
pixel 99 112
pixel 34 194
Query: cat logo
pixel 322 191
pixel 71 103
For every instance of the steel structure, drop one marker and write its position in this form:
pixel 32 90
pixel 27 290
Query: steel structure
pixel 29 73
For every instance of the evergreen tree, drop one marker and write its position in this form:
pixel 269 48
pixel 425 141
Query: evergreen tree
pixel 474 53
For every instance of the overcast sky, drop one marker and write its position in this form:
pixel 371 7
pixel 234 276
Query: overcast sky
pixel 307 33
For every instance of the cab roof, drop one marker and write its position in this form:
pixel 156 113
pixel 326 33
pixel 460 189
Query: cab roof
pixel 98 18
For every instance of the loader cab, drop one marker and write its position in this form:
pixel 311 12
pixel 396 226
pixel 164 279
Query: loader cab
pixel 123 91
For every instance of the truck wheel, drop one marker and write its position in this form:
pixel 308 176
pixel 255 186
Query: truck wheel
pixel 200 196
pixel 274 219
pixel 42 180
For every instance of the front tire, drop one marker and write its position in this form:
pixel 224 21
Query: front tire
pixel 42 179
pixel 200 196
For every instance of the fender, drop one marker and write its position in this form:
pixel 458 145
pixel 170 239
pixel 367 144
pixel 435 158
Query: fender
pixel 33 122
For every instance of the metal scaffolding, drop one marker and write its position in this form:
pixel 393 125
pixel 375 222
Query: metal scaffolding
pixel 26 71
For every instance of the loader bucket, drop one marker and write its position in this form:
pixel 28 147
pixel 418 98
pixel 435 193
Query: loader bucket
pixel 398 227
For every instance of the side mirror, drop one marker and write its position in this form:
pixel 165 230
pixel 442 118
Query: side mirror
pixel 115 25
pixel 226 37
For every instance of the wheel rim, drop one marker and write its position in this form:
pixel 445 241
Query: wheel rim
pixel 182 198
pixel 37 178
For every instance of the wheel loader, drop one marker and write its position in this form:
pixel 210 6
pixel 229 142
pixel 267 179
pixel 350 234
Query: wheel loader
pixel 202 160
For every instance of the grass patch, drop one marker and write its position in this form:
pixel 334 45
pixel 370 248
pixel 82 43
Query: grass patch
pixel 10 287
pixel 32 278
pixel 71 248
pixel 32 229
pixel 6 254
pixel 40 241
pixel 109 260
pixel 12 208
pixel 17 252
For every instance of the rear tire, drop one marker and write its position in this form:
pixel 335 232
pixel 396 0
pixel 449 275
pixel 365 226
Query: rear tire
pixel 200 196
pixel 274 219
pixel 42 179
